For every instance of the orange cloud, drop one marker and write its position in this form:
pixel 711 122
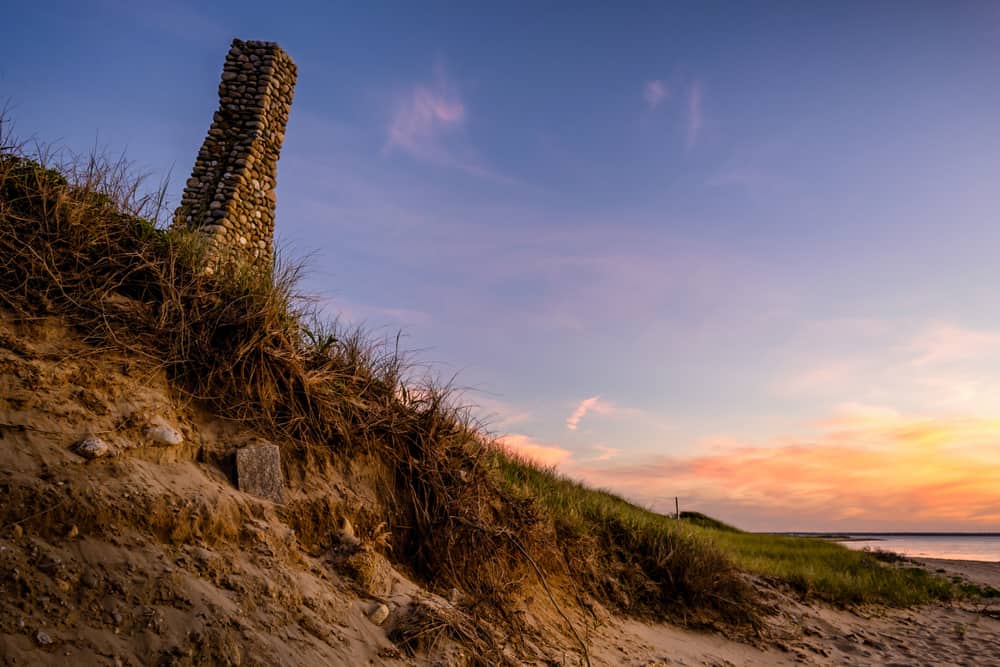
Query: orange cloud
pixel 867 469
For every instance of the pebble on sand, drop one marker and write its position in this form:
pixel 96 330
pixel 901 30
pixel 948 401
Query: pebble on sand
pixel 93 447
pixel 379 614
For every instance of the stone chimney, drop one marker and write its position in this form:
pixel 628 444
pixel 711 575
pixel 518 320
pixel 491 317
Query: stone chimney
pixel 230 196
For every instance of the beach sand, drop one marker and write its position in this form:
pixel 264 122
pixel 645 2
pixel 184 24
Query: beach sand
pixel 973 571
pixel 965 633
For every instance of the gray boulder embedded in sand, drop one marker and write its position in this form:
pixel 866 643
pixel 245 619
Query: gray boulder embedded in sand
pixel 258 471
pixel 93 447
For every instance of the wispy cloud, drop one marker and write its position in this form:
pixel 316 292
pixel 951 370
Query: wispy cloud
pixel 422 117
pixel 603 454
pixel 655 92
pixel 946 342
pixel 604 408
pixel 695 119
pixel 934 363
pixel 573 421
pixel 427 123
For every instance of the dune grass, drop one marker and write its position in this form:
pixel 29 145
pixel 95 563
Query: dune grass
pixel 629 557
pixel 832 572
pixel 812 567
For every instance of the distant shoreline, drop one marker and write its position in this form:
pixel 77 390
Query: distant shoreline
pixel 861 534
pixel 834 537
pixel 969 547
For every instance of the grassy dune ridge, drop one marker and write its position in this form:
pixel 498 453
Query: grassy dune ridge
pixel 811 566
pixel 83 242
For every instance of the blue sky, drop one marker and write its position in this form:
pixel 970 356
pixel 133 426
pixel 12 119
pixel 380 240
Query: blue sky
pixel 715 250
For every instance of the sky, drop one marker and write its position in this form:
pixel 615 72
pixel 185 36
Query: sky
pixel 740 253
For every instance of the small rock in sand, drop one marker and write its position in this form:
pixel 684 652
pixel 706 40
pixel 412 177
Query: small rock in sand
pixel 378 614
pixel 93 447
pixel 164 434
pixel 43 638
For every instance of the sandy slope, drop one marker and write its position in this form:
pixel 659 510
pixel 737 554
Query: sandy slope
pixel 966 634
pixel 974 571
pixel 153 556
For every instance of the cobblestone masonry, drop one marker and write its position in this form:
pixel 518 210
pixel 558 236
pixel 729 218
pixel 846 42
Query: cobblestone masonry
pixel 230 195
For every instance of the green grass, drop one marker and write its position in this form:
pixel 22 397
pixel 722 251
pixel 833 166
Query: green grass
pixel 832 572
pixel 813 567
pixel 637 560
pixel 699 519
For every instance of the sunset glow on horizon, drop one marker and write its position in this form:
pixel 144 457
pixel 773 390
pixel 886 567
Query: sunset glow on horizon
pixel 741 255
pixel 854 472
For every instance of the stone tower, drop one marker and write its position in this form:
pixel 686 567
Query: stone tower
pixel 230 196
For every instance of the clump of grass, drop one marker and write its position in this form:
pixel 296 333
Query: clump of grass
pixel 831 572
pixel 637 560
pixel 886 556
pixel 699 519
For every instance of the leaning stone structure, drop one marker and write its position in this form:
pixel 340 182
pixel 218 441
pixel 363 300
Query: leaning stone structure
pixel 230 196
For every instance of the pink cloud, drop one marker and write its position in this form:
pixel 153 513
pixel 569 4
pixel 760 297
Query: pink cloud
pixel 604 453
pixel 528 447
pixel 573 421
pixel 655 92
pixel 945 342
pixel 426 123
pixel 422 116
pixel 599 406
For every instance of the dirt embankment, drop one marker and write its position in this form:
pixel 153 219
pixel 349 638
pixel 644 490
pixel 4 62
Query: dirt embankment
pixel 152 555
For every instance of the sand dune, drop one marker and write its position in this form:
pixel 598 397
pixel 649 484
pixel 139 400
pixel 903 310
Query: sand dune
pixel 966 633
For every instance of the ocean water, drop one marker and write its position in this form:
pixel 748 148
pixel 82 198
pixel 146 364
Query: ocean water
pixel 964 546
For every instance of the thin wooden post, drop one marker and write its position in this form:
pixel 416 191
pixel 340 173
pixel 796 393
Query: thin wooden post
pixel 677 508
